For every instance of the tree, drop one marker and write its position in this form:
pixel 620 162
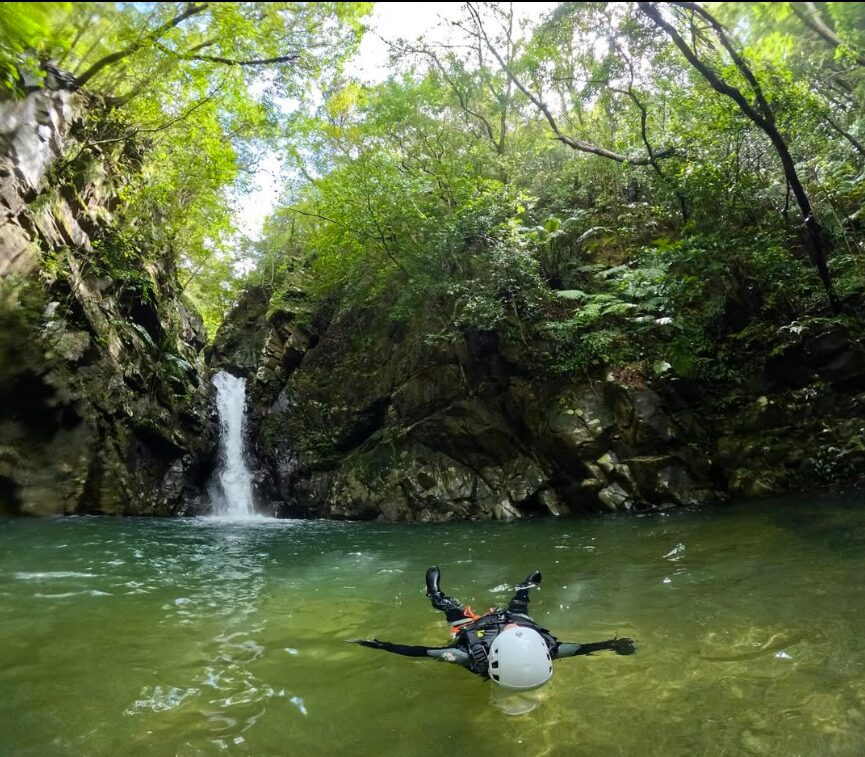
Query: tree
pixel 810 15
pixel 757 108
pixel 199 88
pixel 535 96
pixel 27 34
pixel 485 98
pixel 420 203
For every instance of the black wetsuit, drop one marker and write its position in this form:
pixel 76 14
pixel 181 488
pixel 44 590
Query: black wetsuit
pixel 473 637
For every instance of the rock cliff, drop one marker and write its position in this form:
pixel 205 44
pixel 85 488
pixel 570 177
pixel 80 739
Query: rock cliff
pixel 103 403
pixel 353 420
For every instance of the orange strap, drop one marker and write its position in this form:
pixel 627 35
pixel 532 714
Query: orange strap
pixel 472 615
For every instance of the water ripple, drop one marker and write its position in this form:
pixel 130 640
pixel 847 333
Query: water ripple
pixel 51 574
pixel 231 637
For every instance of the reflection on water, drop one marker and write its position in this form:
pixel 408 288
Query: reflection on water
pixel 196 637
pixel 516 702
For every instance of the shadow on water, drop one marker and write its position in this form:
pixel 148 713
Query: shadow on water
pixel 826 519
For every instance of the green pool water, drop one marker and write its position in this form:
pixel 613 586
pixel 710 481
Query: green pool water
pixel 200 637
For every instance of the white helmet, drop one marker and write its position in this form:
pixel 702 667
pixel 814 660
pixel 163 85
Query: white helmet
pixel 519 659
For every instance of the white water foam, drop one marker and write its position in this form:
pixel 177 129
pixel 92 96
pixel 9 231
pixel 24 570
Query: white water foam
pixel 231 488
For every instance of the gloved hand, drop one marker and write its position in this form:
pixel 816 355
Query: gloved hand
pixel 533 581
pixel 623 646
pixel 372 643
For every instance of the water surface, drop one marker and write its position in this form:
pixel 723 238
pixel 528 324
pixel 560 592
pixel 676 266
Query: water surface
pixel 198 637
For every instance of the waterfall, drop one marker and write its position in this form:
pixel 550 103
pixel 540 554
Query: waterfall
pixel 231 487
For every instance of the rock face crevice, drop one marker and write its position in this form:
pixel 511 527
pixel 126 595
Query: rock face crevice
pixel 105 406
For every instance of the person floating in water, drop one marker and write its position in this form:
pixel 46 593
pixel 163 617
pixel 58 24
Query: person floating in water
pixel 505 645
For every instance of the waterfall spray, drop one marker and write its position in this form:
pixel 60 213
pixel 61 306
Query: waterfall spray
pixel 231 487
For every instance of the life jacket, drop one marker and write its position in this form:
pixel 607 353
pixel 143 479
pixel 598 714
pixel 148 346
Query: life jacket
pixel 478 636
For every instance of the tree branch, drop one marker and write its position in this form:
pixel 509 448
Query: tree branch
pixel 382 238
pixel 162 127
pixel 290 58
pixel 573 143
pixel 763 117
pixel 857 145
pixel 744 69
pixel 191 9
pixel 190 55
pixel 809 14
pixel 84 25
pixel 708 73
pixel 314 215
pixel 461 95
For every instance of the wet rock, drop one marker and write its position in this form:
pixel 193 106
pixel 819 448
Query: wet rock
pixel 825 346
pixel 765 414
pixel 406 434
pixel 71 346
pixel 71 232
pixel 608 462
pixel 674 484
pixel 238 345
pixel 550 502
pixel 579 423
pixel 18 254
pixel 192 333
pixel 437 434
pixel 174 480
pixel 614 497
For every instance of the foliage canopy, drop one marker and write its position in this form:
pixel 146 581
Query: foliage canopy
pixel 645 183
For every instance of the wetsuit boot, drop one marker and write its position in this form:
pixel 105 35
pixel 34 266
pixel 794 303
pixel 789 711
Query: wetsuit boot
pixel 433 576
pixel 520 603
pixel 453 610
